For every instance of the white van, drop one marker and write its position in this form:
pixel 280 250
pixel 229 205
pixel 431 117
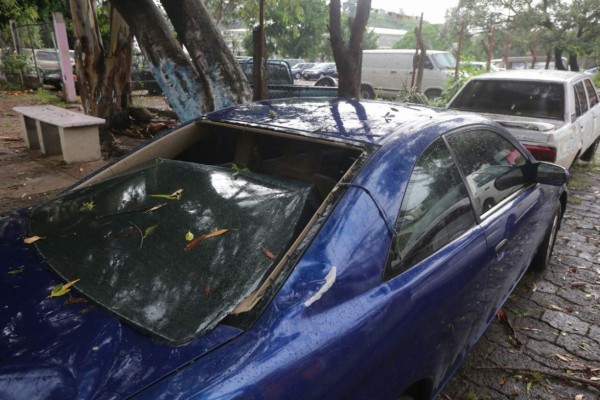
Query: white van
pixel 386 73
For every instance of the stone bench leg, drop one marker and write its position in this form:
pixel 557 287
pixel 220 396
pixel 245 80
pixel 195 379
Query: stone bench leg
pixel 80 144
pixel 48 138
pixel 30 134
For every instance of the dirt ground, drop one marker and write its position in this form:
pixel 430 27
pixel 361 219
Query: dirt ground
pixel 28 177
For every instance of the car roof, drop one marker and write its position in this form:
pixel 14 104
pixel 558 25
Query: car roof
pixel 340 120
pixel 548 75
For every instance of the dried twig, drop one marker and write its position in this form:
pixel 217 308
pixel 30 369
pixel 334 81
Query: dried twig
pixel 549 374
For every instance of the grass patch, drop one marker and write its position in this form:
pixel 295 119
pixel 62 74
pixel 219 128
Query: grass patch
pixel 45 96
pixel 578 180
pixel 575 200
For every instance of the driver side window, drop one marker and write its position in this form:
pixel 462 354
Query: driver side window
pixel 435 210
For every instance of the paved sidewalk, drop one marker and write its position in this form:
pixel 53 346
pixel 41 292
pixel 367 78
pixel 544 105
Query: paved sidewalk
pixel 555 316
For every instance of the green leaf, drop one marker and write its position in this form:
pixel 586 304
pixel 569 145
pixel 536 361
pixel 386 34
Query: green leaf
pixel 189 236
pixel 62 289
pixel 149 231
pixel 87 206
pixel 176 195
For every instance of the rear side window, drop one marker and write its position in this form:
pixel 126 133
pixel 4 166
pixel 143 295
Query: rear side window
pixel 536 99
pixel 435 210
pixel 484 156
pixel 580 99
pixel 591 91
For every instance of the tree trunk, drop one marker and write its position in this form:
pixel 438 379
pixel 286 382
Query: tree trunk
pixel 348 59
pixel 548 59
pixel 184 88
pixel 223 78
pixel 419 58
pixel 573 65
pixel 558 64
pixel 103 78
pixel 116 86
pixel 89 53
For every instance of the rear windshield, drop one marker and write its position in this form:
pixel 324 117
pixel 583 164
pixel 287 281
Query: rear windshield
pixel 129 241
pixel 523 98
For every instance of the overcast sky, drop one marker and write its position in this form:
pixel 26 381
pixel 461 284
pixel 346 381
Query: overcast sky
pixel 433 10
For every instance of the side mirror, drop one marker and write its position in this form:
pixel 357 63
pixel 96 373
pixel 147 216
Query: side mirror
pixel 538 172
pixel 550 174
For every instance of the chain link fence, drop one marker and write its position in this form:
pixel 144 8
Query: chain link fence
pixel 29 55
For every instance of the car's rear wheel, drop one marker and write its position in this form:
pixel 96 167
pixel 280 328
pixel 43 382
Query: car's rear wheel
pixel 366 92
pixel 297 76
pixel 542 257
pixel 588 155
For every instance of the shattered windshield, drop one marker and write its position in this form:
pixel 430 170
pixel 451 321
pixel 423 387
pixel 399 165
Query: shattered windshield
pixel 176 246
pixel 535 99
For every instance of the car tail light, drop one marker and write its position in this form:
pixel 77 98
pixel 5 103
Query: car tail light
pixel 542 153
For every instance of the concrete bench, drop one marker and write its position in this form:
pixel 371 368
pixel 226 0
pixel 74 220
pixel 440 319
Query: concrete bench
pixel 55 130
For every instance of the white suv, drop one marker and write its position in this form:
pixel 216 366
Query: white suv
pixel 555 114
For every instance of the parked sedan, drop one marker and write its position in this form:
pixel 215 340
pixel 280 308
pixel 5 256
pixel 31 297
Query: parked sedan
pixel 299 68
pixel 294 249
pixel 319 71
pixel 555 114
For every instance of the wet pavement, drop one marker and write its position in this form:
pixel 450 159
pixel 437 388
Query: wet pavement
pixel 549 345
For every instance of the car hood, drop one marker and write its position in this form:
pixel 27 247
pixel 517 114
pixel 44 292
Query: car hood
pixel 66 347
pixel 527 129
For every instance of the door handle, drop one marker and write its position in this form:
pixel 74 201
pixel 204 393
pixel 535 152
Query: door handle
pixel 500 247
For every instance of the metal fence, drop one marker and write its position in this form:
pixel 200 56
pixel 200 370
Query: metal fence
pixel 30 55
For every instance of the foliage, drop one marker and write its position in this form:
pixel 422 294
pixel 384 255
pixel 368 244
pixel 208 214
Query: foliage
pixel 17 10
pixel 432 36
pixel 596 79
pixel 528 26
pixel 292 29
pixel 13 63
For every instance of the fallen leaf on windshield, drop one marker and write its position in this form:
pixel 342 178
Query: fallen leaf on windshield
pixel 176 195
pixel 267 253
pixel 16 270
pixel 32 239
pixel 207 289
pixel 87 206
pixel 149 231
pixel 156 207
pixel 195 242
pixel 189 236
pixel 62 289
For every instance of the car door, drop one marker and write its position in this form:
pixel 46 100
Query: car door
pixel 585 118
pixel 513 219
pixel 437 269
pixel 594 107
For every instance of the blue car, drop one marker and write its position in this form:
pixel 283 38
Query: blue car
pixel 290 249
